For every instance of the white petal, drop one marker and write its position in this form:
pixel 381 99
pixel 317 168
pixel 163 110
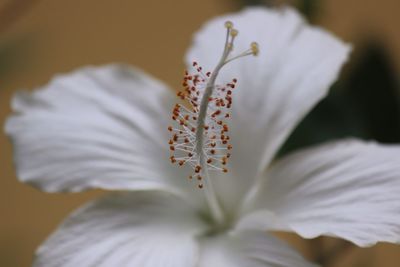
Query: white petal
pixel 250 249
pixel 136 229
pixel 349 189
pixel 296 65
pixel 96 127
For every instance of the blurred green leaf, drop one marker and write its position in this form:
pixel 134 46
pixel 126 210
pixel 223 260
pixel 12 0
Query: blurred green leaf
pixel 308 7
pixel 14 55
pixel 374 88
pixel 253 2
pixel 364 105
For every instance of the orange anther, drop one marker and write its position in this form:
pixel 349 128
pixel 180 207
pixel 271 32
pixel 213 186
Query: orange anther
pixel 197 169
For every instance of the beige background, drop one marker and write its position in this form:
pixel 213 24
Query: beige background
pixel 57 36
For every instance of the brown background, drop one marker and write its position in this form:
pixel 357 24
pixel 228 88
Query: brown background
pixel 50 36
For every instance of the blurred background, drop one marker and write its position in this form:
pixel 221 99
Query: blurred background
pixel 40 38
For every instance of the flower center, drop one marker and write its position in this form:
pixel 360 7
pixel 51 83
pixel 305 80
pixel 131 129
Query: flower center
pixel 200 134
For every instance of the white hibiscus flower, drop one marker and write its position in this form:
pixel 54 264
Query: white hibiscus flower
pixel 106 128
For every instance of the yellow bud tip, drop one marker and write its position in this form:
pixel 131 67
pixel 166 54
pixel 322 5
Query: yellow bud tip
pixel 228 24
pixel 254 48
pixel 234 32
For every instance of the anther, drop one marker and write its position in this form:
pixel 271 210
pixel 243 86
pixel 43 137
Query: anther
pixel 228 24
pixel 254 48
pixel 234 32
pixel 197 169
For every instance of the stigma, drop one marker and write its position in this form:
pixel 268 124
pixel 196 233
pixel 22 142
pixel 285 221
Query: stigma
pixel 200 131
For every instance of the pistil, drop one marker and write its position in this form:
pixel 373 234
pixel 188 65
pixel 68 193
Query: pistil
pixel 200 137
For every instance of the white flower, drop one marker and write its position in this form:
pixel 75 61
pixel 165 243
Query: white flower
pixel 107 128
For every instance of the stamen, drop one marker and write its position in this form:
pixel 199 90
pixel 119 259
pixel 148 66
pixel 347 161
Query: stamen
pixel 200 135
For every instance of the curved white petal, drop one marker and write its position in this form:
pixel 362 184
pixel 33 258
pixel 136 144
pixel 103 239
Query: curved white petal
pixel 135 229
pixel 349 189
pixel 296 65
pixel 250 249
pixel 95 127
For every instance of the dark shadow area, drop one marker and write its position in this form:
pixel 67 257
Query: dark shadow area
pixel 363 104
